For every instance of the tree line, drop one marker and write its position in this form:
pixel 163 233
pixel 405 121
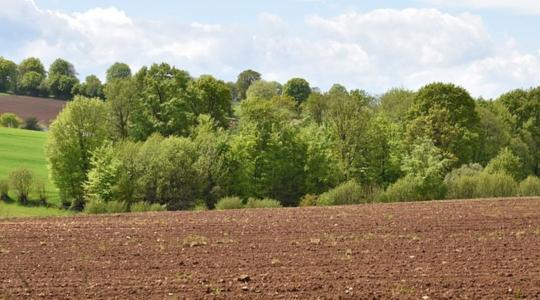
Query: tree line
pixel 162 136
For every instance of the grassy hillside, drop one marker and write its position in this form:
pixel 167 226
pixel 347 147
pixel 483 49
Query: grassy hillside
pixel 25 148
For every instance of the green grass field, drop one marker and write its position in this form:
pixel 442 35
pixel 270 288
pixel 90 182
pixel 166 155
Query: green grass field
pixel 20 148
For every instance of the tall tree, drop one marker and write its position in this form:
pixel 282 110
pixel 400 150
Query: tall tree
pixel 8 75
pixel 298 89
pixel 62 79
pixel 78 130
pixel 121 95
pixel 244 80
pixel 265 90
pixel 31 77
pixel 118 71
pixel 164 102
pixel 446 114
pixel 212 97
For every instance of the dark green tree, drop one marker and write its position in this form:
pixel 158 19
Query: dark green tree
pixel 298 89
pixel 244 80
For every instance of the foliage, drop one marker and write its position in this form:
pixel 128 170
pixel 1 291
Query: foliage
pixel 446 114
pixel 31 123
pixel 262 203
pixel 396 103
pixel 146 206
pixel 244 81
pixel 506 162
pixel 77 131
pixel 31 84
pixel 495 185
pixel 349 192
pixel 95 206
pixel 212 97
pixel 530 186
pixel 264 90
pixel 309 200
pixel 62 79
pixel 408 188
pixel 4 189
pixel 8 75
pixel 118 71
pixel 91 88
pixel 462 183
pixel 298 89
pixel 121 97
pixel 229 203
pixel 10 120
pixel 22 180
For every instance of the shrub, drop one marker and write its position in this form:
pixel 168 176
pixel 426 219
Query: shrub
pixel 495 185
pixel 41 191
pixel 31 123
pixel 4 189
pixel 309 200
pixel 199 206
pixel 146 206
pixel 263 203
pixel 21 180
pixel 229 203
pixel 349 192
pixel 114 207
pixel 462 187
pixel 506 162
pixel 10 120
pixel 95 207
pixel 405 189
pixel 530 186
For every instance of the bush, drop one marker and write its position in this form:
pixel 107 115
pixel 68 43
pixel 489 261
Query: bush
pixel 530 186
pixel 495 185
pixel 506 162
pixel 31 123
pixel 146 206
pixel 347 193
pixel 41 191
pixel 309 200
pixel 229 203
pixel 405 189
pixel 4 189
pixel 263 203
pixel 462 187
pixel 115 207
pixel 199 206
pixel 10 120
pixel 21 180
pixel 95 207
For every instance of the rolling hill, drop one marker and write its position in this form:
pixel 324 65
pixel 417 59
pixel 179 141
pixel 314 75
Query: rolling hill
pixel 44 109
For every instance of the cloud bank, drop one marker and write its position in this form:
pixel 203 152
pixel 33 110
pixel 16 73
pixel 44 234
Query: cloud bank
pixel 373 50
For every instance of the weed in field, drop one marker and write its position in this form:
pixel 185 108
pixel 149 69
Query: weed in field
pixel 315 241
pixel 183 276
pixel 402 289
pixel 194 240
pixel 275 261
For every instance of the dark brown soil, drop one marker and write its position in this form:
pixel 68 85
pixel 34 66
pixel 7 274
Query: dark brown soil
pixel 478 249
pixel 44 109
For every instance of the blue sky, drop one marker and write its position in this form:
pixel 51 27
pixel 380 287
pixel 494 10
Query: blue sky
pixel 487 46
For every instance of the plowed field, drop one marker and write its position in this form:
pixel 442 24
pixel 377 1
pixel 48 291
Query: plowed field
pixel 478 249
pixel 44 109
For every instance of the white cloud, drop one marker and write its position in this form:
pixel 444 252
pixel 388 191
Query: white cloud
pixel 374 51
pixel 529 7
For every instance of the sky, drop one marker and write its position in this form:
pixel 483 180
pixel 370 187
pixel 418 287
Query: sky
pixel 487 46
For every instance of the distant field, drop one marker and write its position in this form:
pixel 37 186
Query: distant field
pixel 25 148
pixel 44 109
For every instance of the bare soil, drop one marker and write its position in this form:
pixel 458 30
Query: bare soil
pixel 475 249
pixel 44 109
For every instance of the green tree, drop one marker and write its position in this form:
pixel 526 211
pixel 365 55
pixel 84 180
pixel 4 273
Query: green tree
pixel 91 88
pixel 446 114
pixel 31 64
pixel 244 81
pixel 298 89
pixel 396 103
pixel 118 71
pixel 508 163
pixel 265 90
pixel 8 75
pixel 10 120
pixel 164 102
pixel 78 130
pixel 22 180
pixel 62 79
pixel 31 84
pixel 121 95
pixel 212 97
